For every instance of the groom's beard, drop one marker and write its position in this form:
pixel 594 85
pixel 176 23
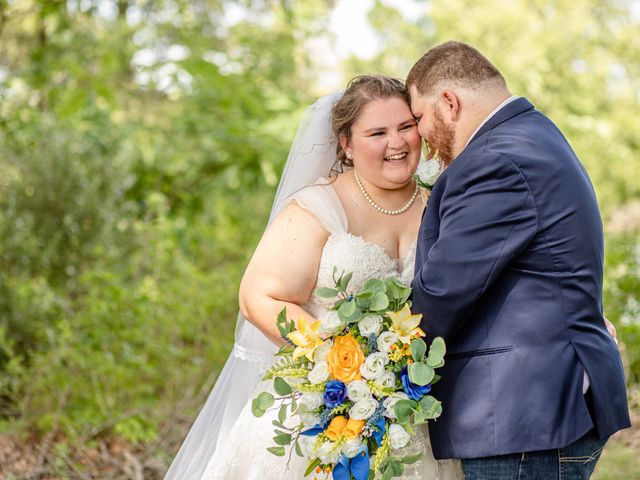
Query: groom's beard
pixel 442 138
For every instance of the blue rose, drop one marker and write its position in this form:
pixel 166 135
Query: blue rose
pixel 335 393
pixel 415 392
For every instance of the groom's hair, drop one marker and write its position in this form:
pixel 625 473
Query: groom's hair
pixel 454 62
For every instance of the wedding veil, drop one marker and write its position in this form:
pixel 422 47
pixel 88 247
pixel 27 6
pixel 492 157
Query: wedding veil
pixel 312 155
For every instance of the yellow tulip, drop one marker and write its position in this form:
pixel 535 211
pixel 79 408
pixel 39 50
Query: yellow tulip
pixel 306 339
pixel 405 324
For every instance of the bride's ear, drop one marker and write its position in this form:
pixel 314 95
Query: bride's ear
pixel 344 143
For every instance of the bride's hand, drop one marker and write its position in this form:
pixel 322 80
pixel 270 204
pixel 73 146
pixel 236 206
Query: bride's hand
pixel 611 329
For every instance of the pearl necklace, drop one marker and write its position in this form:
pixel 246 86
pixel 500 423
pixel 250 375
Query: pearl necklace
pixel 378 207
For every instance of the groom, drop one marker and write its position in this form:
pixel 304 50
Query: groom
pixel 509 272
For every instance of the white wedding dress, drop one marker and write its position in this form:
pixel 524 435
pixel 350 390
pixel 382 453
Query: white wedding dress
pixel 243 454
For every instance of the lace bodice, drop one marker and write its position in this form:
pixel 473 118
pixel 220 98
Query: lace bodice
pixel 345 251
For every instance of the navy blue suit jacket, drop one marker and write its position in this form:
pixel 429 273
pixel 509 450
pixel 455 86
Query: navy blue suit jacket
pixel 509 271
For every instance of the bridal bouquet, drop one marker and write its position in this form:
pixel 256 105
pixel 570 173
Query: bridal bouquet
pixel 355 383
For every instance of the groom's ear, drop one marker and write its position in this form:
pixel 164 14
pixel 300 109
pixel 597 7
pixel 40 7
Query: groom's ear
pixel 451 105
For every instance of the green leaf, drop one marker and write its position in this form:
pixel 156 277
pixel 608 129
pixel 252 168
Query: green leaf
pixel 380 301
pixel 281 386
pixel 437 352
pixel 282 413
pixel 312 466
pixel 344 281
pixel 349 312
pixel 397 467
pixel 420 373
pixel 365 295
pixel 348 308
pixel 282 439
pixel 436 379
pixel 262 403
pixel 409 459
pixel 276 423
pixel 403 410
pixel 418 349
pixel 374 285
pixel 277 451
pixel 388 473
pixel 325 292
pixel 298 449
pixel 431 407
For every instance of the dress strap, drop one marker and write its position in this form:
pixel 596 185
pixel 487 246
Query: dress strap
pixel 322 201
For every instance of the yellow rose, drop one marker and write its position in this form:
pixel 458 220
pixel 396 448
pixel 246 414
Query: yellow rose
pixel 335 428
pixel 345 358
pixel 353 428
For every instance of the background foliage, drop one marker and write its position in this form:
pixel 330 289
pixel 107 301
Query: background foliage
pixel 140 145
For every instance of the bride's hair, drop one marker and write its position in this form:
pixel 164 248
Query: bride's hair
pixel 360 91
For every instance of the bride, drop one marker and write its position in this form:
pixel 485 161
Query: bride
pixel 347 198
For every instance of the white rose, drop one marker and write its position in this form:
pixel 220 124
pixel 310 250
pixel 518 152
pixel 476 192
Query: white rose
pixel 320 355
pixel 373 366
pixel 331 323
pixel 398 436
pixel 358 390
pixel 390 402
pixel 308 419
pixel 387 379
pixel 370 325
pixel 307 443
pixel 329 452
pixel 351 447
pixel 386 339
pixel 319 373
pixel 309 402
pixel 429 171
pixel 363 409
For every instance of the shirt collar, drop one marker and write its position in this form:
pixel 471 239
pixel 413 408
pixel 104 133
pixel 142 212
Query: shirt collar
pixel 498 108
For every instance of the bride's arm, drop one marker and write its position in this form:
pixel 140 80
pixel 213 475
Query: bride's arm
pixel 283 270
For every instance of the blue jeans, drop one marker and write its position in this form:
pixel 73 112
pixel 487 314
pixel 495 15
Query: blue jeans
pixel 576 461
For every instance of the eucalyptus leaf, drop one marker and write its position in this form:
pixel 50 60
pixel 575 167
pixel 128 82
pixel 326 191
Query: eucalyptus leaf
pixel 344 281
pixel 418 349
pixel 374 285
pixel 282 413
pixel 282 439
pixel 262 403
pixel 380 301
pixel 298 449
pixel 281 386
pixel 324 292
pixel 420 373
pixel 403 410
pixel 347 309
pixel 277 451
pixel 431 407
pixel 397 467
pixel 388 473
pixel 437 351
